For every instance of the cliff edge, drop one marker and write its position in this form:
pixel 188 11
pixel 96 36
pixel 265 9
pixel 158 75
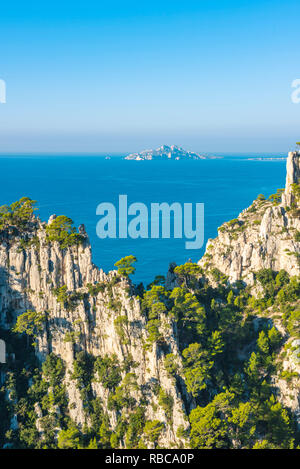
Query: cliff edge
pixel 265 235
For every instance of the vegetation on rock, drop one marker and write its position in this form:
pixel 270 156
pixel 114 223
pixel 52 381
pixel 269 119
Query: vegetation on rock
pixel 61 230
pixel 125 265
pixel 213 349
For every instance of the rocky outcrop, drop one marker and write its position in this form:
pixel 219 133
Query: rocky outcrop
pixel 171 279
pixel 31 275
pixel 166 152
pixel 265 236
pixel 288 380
pixel 292 177
pixel 101 318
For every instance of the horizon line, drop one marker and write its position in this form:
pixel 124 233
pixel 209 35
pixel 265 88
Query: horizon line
pixel 119 154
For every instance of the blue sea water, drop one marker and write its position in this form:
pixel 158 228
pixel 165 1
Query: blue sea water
pixel 75 185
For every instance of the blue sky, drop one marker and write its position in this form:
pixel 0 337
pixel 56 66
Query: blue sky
pixel 212 76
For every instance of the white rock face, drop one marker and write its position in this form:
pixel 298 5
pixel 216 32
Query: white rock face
pixel 165 152
pixel 27 279
pixel 292 176
pixel 263 236
pixel 289 389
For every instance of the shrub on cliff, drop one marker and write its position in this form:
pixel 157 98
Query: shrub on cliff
pixel 108 370
pixel 69 300
pixel 197 366
pixel 17 214
pixel 125 266
pixel 30 322
pixel 296 190
pixel 61 229
pixel 152 431
pixel 171 364
pixel 276 198
pixel 189 274
pixel 69 439
pixel 293 324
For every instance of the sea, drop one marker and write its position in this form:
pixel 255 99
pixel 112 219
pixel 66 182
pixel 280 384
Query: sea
pixel 74 185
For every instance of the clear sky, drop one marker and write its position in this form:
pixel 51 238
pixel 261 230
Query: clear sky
pixel 111 76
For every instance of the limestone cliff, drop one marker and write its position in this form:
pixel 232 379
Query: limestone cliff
pixel 263 235
pixel 210 359
pixel 32 272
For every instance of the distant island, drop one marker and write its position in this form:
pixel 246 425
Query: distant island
pixel 166 152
